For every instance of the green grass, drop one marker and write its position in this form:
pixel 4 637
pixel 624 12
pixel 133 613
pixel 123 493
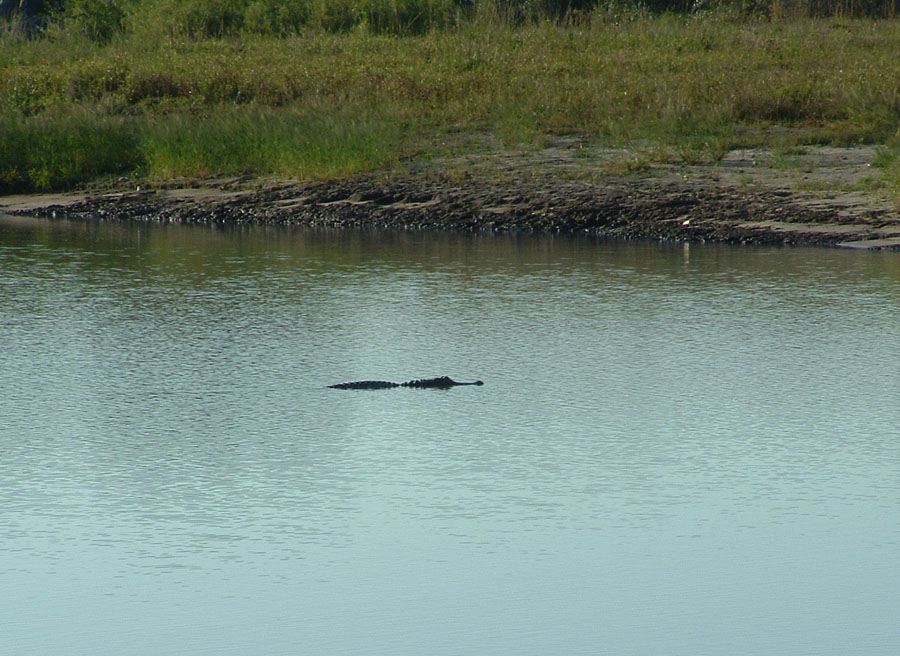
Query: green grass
pixel 317 102
pixel 48 152
pixel 52 152
pixel 309 143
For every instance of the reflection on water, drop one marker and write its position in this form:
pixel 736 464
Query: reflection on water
pixel 678 449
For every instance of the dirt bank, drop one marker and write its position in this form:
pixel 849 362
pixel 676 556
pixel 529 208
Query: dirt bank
pixel 818 196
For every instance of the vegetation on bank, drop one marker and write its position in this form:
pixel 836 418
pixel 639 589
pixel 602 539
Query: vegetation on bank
pixel 309 88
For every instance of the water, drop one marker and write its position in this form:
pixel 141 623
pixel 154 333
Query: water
pixel 677 450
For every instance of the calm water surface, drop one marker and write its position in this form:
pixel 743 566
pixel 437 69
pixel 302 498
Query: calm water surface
pixel 677 450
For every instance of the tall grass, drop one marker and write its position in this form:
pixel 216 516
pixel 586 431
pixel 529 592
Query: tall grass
pixel 102 20
pixel 835 76
pixel 180 19
pixel 57 151
pixel 310 143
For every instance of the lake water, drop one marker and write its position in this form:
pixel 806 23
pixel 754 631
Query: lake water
pixel 678 450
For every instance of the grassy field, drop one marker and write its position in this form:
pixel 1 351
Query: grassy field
pixel 157 99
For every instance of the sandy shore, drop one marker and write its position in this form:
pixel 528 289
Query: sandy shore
pixel 817 196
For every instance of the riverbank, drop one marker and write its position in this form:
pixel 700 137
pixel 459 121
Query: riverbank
pixel 811 196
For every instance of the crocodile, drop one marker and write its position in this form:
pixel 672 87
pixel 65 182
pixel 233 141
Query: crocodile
pixel 442 382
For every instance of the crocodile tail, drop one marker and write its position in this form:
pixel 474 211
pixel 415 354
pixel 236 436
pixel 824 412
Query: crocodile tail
pixel 365 384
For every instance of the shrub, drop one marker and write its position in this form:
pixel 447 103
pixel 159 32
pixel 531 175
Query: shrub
pixel 99 20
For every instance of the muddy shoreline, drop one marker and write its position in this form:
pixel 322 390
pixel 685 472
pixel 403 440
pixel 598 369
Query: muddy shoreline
pixel 739 200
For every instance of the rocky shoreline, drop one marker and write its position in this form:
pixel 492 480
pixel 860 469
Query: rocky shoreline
pixel 726 202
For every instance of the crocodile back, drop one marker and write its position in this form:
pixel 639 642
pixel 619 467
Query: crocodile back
pixel 441 381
